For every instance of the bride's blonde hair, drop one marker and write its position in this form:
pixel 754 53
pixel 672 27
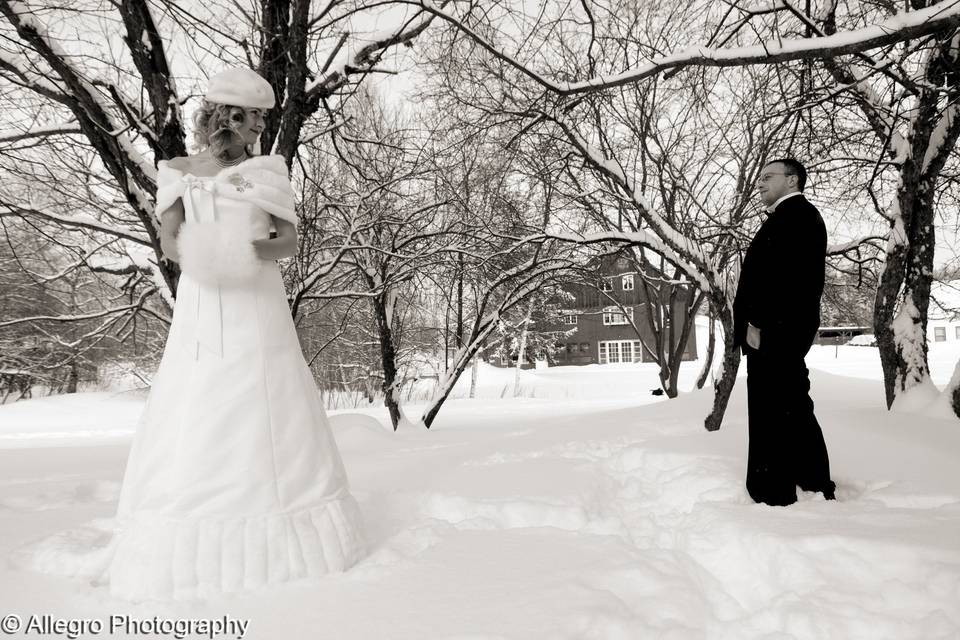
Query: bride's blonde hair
pixel 215 126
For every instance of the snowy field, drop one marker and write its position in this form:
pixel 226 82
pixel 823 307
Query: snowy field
pixel 590 510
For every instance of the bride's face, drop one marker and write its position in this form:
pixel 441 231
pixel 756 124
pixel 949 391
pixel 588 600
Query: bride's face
pixel 249 123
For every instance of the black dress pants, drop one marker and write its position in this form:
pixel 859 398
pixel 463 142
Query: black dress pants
pixel 786 444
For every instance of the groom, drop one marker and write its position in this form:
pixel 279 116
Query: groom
pixel 776 317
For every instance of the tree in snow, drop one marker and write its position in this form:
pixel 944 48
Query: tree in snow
pixel 505 261
pixel 392 231
pixel 88 114
pixel 568 66
pixel 58 319
pixel 909 98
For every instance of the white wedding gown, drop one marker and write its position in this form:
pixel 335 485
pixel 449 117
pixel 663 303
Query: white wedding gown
pixel 233 481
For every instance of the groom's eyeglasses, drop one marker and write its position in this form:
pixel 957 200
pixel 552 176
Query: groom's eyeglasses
pixel 767 176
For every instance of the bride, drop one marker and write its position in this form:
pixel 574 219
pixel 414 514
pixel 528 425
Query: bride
pixel 234 480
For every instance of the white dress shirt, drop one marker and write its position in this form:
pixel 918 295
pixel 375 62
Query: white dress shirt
pixel 774 206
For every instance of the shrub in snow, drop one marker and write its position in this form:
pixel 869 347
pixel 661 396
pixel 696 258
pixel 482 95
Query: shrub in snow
pixel 866 340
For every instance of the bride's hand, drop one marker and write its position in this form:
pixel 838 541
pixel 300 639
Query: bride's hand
pixel 284 245
pixel 258 248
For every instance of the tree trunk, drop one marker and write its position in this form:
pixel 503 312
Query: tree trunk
pixel 672 381
pixel 73 377
pixel 473 376
pixel 903 297
pixel 522 350
pixel 458 366
pixel 711 345
pixel 678 344
pixel 728 376
pixel 446 385
pixel 668 363
pixel 459 331
pixel 388 356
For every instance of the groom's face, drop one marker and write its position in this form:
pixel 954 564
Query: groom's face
pixel 774 183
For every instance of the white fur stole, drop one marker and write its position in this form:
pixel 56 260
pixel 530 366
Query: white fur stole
pixel 218 253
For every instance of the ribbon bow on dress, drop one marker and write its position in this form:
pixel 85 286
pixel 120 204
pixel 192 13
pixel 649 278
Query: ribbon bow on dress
pixel 203 302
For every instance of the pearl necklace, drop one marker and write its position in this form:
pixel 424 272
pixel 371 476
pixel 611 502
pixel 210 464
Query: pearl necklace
pixel 231 163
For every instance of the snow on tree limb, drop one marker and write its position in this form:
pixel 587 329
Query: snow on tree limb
pixel 84 100
pixel 940 144
pixel 43 132
pixel 78 221
pixel 638 238
pixel 138 305
pixel 133 173
pixel 336 76
pixel 30 79
pixel 903 26
pixel 149 55
pixel 684 252
pixel 846 247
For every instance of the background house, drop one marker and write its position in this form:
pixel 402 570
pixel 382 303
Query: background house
pixel 943 316
pixel 615 321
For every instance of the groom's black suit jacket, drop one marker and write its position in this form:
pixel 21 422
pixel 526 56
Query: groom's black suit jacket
pixel 781 280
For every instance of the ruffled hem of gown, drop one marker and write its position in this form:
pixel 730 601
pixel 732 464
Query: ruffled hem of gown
pixel 162 558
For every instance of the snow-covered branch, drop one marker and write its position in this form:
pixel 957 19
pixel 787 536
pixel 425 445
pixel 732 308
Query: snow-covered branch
pixel 30 79
pixel 898 28
pixel 942 139
pixel 682 250
pixel 844 248
pixel 337 74
pixel 42 132
pixel 638 238
pixel 903 26
pixel 117 152
pixel 77 221
pixel 85 316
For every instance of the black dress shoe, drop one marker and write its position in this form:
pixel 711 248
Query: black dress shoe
pixel 829 491
pixel 774 500
pixel 780 501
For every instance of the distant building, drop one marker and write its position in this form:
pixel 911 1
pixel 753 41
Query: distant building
pixel 604 334
pixel 943 315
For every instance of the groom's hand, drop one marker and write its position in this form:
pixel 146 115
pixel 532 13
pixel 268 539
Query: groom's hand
pixel 753 336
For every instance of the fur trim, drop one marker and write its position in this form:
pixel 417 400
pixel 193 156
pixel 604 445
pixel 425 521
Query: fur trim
pixel 262 180
pixel 218 253
pixel 169 187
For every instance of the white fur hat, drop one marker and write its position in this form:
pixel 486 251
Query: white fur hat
pixel 240 88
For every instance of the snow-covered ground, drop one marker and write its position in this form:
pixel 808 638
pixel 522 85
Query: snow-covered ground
pixel 590 510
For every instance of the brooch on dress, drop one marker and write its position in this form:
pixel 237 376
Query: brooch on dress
pixel 239 182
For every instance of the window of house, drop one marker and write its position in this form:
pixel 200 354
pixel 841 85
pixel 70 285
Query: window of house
pixel 614 316
pixel 606 285
pixel 570 319
pixel 940 334
pixel 626 283
pixel 615 351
